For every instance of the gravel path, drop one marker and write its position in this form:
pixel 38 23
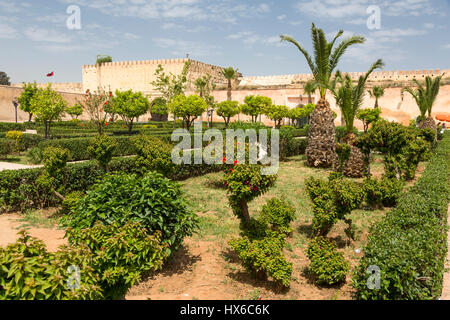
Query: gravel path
pixel 16 166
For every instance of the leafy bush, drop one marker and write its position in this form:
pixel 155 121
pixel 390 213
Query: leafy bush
pixel 327 264
pixel 409 245
pixel 264 258
pixel 278 214
pixel 153 201
pixel 101 148
pixel 153 154
pixel 382 193
pixel 245 183
pixel 333 200
pixel 55 160
pixel 28 271
pixel 17 137
pixel 6 146
pixel 122 254
pixel 70 202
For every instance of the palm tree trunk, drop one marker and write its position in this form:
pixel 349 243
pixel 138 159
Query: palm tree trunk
pixel 229 90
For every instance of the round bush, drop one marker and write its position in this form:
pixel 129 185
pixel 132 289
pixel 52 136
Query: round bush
pixel 153 201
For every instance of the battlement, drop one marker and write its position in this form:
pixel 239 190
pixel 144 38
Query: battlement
pixel 382 76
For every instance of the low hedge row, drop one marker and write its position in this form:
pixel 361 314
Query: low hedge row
pixel 405 254
pixel 19 189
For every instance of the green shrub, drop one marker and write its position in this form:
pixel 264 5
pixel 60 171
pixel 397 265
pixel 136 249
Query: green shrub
pixel 6 147
pixel 153 201
pixel 333 200
pixel 382 193
pixel 327 264
pixel 17 137
pixel 71 201
pixel 153 155
pixel 35 155
pixel 409 245
pixel 123 254
pixel 55 160
pixel 264 258
pixel 244 183
pixel 278 214
pixel 101 148
pixel 29 272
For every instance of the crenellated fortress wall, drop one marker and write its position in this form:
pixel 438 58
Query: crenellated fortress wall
pixel 138 75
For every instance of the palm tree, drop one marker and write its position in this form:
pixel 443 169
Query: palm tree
pixel 229 74
pixel 321 150
pixel 425 98
pixel 377 92
pixel 309 89
pixel 349 98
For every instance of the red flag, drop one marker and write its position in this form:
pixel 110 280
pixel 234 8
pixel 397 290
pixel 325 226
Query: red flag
pixel 51 74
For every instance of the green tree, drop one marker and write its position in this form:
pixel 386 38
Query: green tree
pixel 230 74
pixel 227 110
pixel 97 105
pixel 170 85
pixel 277 114
pixel 189 108
pixel 130 105
pixel 321 150
pixel 48 105
pixel 4 79
pixel 325 58
pixel 103 59
pixel 75 111
pixel 350 97
pixel 368 116
pixel 377 92
pixel 425 98
pixel 300 112
pixel 255 105
pixel 310 89
pixel 29 91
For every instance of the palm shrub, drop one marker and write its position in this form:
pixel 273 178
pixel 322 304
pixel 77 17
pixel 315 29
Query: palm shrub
pixel 425 98
pixel 376 92
pixel 321 145
pixel 230 74
pixel 349 98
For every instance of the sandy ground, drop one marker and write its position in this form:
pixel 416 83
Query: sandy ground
pixel 10 225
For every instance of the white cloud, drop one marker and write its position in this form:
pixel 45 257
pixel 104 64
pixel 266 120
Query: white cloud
pixel 217 11
pixel 46 35
pixel 281 17
pixel 131 36
pixel 447 46
pixel 8 32
pixel 249 38
pixel 344 9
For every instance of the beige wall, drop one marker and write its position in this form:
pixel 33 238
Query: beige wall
pixel 7 111
pixel 138 75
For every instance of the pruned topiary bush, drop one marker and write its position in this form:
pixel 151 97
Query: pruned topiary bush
pixel 328 266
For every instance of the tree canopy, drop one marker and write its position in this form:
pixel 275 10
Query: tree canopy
pixel 29 91
pixel 130 105
pixel 227 110
pixel 189 108
pixel 255 105
pixel 4 79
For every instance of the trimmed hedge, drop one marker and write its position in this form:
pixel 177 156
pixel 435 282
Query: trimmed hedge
pixel 19 190
pixel 409 245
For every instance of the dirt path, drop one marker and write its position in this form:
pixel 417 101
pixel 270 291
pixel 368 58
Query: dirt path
pixel 16 166
pixel 446 285
pixel 10 225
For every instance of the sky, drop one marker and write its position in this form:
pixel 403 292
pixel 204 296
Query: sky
pixel 38 37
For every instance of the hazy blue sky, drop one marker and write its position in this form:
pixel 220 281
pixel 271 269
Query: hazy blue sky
pixel 35 40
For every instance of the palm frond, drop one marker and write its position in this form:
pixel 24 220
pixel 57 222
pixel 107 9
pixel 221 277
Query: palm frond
pixel 302 50
pixel 341 48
